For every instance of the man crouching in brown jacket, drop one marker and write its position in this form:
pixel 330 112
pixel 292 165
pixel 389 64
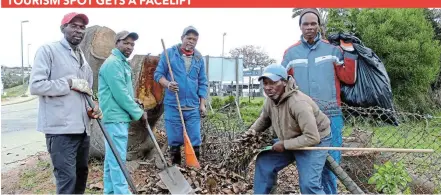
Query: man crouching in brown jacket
pixel 298 122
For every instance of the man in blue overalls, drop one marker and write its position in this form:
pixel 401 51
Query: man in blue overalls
pixel 318 68
pixel 191 85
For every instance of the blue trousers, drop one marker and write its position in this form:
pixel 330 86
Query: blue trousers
pixel 329 180
pixel 174 129
pixel 309 166
pixel 114 180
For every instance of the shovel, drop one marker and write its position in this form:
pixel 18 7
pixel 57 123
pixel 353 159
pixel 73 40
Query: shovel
pixel 113 148
pixel 170 176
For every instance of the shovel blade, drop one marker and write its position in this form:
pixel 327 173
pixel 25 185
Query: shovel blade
pixel 175 182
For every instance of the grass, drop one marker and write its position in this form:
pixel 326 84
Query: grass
pixel 409 135
pixel 249 110
pixel 31 179
pixel 37 178
pixel 415 134
pixel 15 91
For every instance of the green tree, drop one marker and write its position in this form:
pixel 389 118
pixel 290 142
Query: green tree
pixel 434 17
pixel 404 40
pixel 342 21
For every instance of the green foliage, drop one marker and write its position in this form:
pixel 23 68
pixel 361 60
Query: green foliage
pixel 16 91
pixel 250 111
pixel 230 100
pixel 258 103
pixel 391 178
pixel 250 114
pixel 216 102
pixel 434 18
pixel 403 39
pixel 342 21
pixel 12 80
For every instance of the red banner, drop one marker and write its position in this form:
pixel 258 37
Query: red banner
pixel 219 4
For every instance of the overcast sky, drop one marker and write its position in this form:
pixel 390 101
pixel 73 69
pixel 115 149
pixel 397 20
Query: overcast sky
pixel 272 29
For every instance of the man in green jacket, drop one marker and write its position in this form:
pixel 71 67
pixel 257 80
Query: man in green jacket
pixel 119 108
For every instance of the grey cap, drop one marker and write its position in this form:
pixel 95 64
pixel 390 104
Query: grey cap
pixel 190 29
pixel 124 34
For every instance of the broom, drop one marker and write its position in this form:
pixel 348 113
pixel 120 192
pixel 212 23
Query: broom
pixel 190 155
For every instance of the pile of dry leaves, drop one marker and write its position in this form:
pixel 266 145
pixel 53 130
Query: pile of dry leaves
pixel 244 150
pixel 207 180
pixel 214 177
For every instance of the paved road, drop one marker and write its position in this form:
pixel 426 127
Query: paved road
pixel 19 137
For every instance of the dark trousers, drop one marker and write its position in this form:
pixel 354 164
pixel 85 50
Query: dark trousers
pixel 70 156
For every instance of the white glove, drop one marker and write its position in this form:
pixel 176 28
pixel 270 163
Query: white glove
pixel 82 86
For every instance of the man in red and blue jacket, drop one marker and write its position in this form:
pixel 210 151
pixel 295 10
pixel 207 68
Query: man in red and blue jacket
pixel 318 68
pixel 191 84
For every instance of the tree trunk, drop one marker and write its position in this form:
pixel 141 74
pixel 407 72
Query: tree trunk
pixel 97 46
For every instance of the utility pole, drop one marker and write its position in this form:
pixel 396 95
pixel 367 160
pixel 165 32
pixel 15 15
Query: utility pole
pixel 22 66
pixel 29 64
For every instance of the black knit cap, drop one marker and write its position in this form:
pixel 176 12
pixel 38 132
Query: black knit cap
pixel 309 10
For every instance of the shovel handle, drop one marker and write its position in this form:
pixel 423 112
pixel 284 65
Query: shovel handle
pixel 113 148
pixel 156 143
pixel 159 151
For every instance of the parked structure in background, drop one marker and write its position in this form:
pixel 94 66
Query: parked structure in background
pixel 248 85
pixel 234 78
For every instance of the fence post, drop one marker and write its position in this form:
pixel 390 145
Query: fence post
pixel 260 83
pixel 237 79
pixel 207 67
pixel 208 81
pixel 221 87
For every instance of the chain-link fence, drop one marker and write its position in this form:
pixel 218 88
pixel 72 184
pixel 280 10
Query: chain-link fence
pixel 363 128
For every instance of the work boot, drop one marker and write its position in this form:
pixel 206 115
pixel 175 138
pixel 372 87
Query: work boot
pixel 197 151
pixel 175 153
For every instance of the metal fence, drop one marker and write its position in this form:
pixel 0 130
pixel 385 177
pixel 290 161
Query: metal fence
pixel 363 128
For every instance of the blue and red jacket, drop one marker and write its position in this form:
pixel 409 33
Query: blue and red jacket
pixel 318 69
pixel 193 85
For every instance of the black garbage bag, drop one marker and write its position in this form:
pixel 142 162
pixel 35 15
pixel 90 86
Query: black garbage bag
pixel 372 88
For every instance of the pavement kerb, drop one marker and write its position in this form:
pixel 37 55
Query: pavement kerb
pixel 18 102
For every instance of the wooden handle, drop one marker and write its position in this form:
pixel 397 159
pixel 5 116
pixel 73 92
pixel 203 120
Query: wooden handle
pixel 173 79
pixel 369 149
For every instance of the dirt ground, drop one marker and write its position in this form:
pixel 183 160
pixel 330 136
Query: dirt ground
pixel 34 176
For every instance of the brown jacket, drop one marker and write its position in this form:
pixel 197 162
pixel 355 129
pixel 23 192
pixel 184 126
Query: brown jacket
pixel 296 119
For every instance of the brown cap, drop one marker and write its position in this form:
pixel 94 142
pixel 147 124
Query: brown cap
pixel 124 34
pixel 309 10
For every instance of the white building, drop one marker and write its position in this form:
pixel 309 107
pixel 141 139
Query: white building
pixel 248 85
